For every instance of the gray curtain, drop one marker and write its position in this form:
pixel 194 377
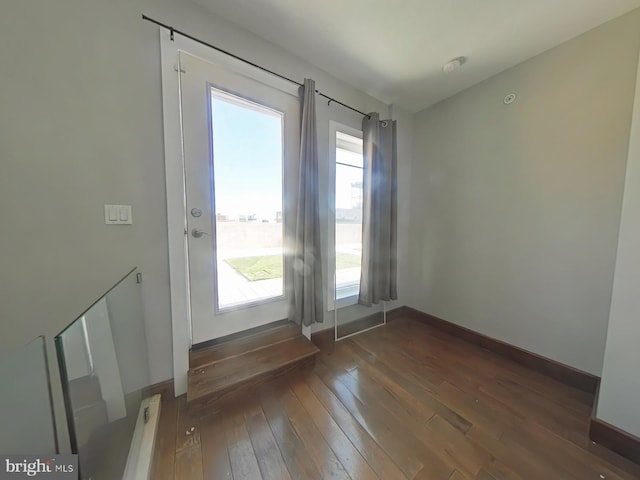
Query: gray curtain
pixel 307 302
pixel 380 204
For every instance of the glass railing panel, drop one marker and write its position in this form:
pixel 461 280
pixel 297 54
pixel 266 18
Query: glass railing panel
pixel 26 414
pixel 104 368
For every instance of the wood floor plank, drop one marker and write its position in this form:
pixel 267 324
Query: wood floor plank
pixel 189 463
pixel 188 430
pixel 496 366
pixel 410 376
pixel 390 436
pixel 468 457
pixel 389 383
pixel 615 460
pixel 382 347
pixel 432 451
pixel 484 475
pixel 244 464
pixel 562 453
pixel 165 448
pixel 541 410
pixel 355 465
pixel 458 476
pixel 270 461
pixel 299 462
pixel 526 466
pixel 479 410
pixel 381 463
pixel 572 399
pixel 215 456
pixel 415 433
pixel 404 401
pixel 417 404
pixel 323 456
pixel 188 448
pixel 496 470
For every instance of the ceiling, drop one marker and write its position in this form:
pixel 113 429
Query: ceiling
pixel 395 49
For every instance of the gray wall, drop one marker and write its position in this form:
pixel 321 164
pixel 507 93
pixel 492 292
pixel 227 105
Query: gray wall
pixel 405 145
pixel 81 126
pixel 620 387
pixel 515 208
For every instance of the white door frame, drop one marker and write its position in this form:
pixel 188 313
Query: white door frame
pixel 175 182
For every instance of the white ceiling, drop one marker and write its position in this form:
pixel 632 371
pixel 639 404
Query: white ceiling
pixel 395 49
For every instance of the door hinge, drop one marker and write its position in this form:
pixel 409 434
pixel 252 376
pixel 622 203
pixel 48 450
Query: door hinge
pixel 139 277
pixel 181 70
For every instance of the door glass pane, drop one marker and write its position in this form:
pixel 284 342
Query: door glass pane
pixel 247 186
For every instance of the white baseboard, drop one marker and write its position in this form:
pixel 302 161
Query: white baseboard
pixel 142 444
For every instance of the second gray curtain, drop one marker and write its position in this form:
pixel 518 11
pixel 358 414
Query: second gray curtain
pixel 379 223
pixel 307 302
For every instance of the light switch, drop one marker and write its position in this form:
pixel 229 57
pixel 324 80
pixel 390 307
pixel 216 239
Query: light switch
pixel 118 215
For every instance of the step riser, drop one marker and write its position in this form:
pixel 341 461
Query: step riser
pixel 240 368
pixel 218 400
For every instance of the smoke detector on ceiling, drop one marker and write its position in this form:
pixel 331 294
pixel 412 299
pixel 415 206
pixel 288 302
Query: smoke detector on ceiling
pixel 454 64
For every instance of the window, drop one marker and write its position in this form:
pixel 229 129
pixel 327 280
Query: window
pixel 346 147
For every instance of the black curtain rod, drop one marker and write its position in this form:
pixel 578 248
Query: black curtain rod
pixel 190 37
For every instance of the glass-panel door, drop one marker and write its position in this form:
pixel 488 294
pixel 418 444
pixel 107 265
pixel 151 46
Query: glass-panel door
pixel 240 138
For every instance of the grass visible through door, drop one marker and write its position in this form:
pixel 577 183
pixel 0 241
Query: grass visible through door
pixel 270 266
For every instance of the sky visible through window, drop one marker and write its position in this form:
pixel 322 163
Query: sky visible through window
pixel 247 152
pixel 348 179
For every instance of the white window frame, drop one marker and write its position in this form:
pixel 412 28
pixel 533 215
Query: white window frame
pixel 352 298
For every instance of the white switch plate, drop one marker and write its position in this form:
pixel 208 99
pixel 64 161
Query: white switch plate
pixel 118 215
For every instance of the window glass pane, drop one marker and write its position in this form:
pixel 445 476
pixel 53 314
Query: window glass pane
pixel 247 165
pixel 345 157
pixel 348 226
pixel 348 142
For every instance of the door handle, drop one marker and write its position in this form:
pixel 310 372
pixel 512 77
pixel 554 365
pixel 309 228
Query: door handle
pixel 198 233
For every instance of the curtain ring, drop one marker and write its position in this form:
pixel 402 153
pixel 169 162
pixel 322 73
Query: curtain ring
pixel 384 123
pixel 329 102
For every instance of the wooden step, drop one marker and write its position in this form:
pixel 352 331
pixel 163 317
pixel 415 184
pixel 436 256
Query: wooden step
pixel 239 375
pixel 239 346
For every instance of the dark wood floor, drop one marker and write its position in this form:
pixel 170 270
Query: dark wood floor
pixel 400 401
